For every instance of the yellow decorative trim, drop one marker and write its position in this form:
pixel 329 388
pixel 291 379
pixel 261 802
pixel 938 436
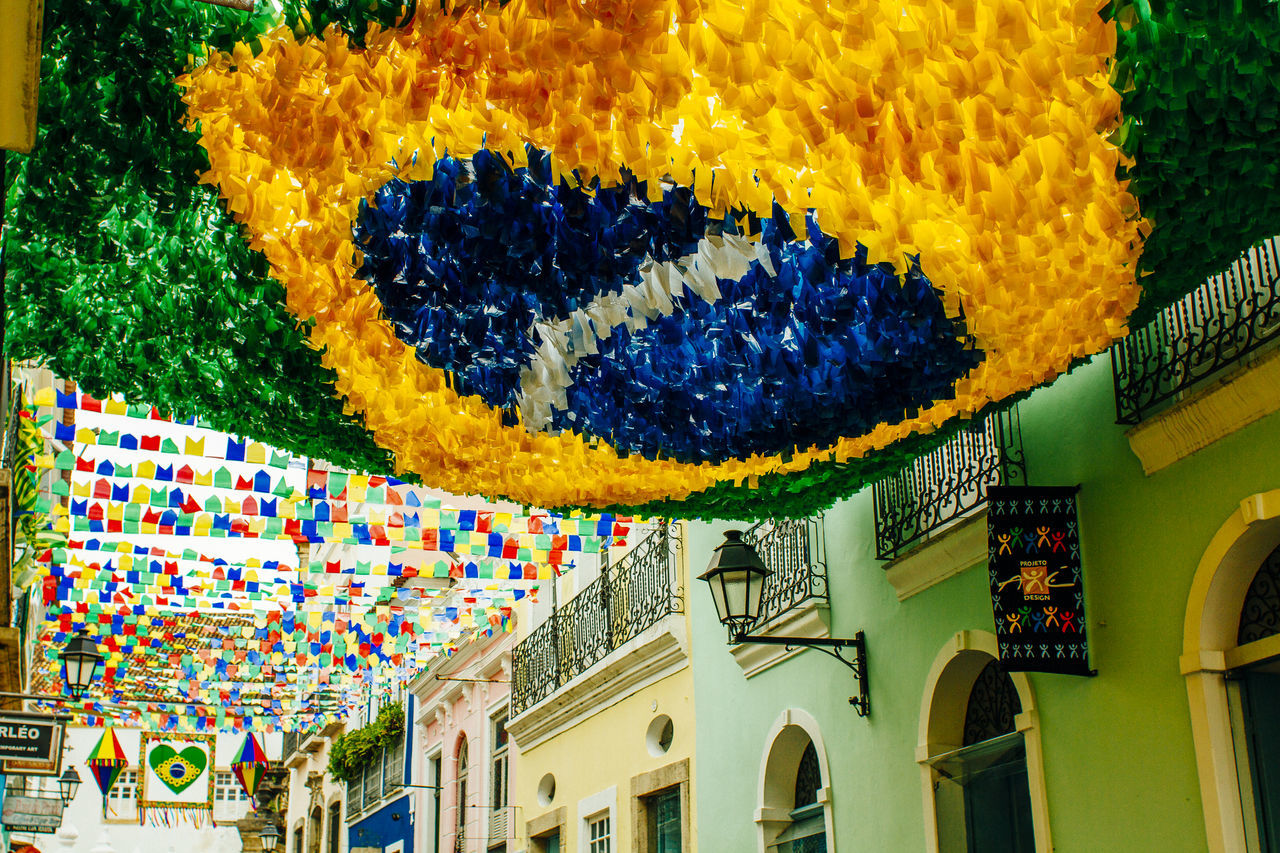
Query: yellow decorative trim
pixel 1208 415
pixel 1209 649
pixel 1011 199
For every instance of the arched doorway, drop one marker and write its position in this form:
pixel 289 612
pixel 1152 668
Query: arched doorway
pixel 1231 660
pixel 795 794
pixel 979 754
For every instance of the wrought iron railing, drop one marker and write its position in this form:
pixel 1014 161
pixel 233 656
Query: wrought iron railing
pixel 616 607
pixel 1214 326
pixel 795 551
pixel 948 482
pixel 290 745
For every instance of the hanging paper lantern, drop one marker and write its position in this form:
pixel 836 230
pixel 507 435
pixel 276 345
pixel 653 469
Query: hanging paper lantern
pixel 106 762
pixel 250 765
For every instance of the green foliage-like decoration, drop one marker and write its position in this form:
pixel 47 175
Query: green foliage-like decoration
pixel 127 275
pixel 349 754
pixel 1200 81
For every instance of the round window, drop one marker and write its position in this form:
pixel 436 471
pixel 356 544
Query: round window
pixel 546 790
pixel 659 735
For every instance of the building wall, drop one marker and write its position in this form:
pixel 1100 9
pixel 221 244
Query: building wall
pixel 595 761
pixel 449 711
pixel 598 750
pixel 388 825
pixel 84 817
pixel 388 828
pixel 309 786
pixel 1118 755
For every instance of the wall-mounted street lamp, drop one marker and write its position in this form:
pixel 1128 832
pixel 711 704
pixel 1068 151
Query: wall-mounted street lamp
pixel 736 577
pixel 269 836
pixel 68 784
pixel 80 661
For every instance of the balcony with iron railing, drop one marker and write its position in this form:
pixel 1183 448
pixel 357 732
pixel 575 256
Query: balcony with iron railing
pixel 947 484
pixel 381 778
pixel 629 597
pixel 793 549
pixel 1230 316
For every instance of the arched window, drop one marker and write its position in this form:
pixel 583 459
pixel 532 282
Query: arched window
pixel 1254 696
pixel 315 829
pixel 980 754
pixel 981 796
pixel 464 772
pixel 794 813
pixel 1231 662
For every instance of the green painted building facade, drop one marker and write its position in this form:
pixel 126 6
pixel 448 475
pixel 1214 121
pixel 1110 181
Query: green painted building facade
pixel 1149 755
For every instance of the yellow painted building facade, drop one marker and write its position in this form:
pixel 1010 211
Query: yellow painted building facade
pixel 605 725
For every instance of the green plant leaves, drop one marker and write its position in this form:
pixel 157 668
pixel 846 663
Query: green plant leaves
pixel 350 752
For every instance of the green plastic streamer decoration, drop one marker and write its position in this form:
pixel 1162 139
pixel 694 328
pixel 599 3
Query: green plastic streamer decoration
pixel 1200 82
pixel 130 277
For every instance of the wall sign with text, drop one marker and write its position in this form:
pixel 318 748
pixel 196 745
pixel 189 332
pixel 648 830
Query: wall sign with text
pixel 1037 583
pixel 30 744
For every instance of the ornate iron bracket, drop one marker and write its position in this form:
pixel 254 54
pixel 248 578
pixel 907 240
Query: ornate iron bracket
pixel 831 646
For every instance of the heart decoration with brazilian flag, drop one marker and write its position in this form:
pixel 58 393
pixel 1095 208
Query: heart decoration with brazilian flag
pixel 176 781
pixel 684 257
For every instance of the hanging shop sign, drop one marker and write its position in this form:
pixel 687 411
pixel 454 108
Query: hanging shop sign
pixel 31 744
pixel 31 814
pixel 1037 584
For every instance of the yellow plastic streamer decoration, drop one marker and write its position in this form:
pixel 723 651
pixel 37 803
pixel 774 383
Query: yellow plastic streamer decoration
pixel 973 132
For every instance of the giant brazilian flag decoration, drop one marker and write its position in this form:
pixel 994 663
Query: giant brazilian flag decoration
pixel 695 257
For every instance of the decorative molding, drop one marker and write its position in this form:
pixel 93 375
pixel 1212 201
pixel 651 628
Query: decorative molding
pixel 809 619
pixel 544 824
pixel 959 547
pixel 785 743
pixel 1209 649
pixel 647 784
pixel 661 650
pixel 1243 396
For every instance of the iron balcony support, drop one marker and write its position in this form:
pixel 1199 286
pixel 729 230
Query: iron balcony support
pixel 831 646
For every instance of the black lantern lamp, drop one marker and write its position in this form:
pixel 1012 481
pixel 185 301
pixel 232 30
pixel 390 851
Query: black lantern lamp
pixel 736 577
pixel 269 836
pixel 68 784
pixel 80 661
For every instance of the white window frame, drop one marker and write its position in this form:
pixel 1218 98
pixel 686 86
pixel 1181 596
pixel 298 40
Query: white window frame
pixel 602 843
pixel 600 805
pixel 235 805
pixel 124 808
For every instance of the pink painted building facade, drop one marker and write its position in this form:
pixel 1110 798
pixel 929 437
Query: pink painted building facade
pixel 465 756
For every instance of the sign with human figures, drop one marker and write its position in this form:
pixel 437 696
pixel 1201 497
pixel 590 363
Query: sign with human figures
pixel 1037 584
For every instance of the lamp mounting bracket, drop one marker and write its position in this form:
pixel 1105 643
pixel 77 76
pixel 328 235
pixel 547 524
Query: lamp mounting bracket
pixel 832 647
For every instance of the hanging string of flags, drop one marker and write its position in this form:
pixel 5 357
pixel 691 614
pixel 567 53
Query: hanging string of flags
pixel 197 641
